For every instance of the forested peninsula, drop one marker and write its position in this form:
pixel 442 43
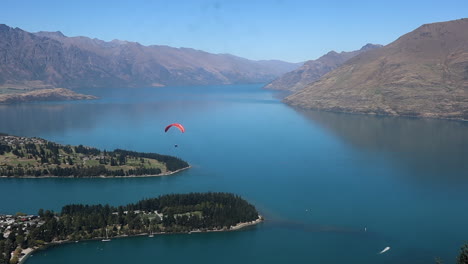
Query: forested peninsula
pixel 173 213
pixel 36 158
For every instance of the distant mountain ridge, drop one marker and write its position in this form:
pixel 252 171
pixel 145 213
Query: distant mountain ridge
pixel 422 73
pixel 312 70
pixel 50 59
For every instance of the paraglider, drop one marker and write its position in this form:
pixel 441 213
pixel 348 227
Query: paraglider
pixel 179 126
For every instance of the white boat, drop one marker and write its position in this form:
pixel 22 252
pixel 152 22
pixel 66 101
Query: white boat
pixel 384 250
pixel 107 237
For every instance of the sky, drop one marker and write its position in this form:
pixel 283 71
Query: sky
pixel 289 30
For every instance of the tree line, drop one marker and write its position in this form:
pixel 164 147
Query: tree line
pixel 78 171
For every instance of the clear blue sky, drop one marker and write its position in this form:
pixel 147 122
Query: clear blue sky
pixel 277 29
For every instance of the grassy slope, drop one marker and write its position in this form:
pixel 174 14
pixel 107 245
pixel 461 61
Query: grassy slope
pixel 78 159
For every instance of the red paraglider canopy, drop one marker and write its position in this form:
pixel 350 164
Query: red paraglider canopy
pixel 179 126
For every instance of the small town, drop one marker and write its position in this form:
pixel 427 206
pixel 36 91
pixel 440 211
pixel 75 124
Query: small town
pixel 20 220
pixel 17 228
pixel 13 140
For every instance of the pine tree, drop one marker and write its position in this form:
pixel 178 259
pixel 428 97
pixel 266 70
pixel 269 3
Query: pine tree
pixel 463 257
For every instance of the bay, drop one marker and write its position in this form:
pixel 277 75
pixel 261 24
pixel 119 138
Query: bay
pixel 320 179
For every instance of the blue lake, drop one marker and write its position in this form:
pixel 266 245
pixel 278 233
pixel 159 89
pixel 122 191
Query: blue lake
pixel 319 178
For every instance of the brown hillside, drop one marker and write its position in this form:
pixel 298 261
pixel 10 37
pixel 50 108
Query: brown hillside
pixel 312 70
pixel 423 73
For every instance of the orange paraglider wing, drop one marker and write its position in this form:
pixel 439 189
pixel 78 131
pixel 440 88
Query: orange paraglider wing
pixel 179 126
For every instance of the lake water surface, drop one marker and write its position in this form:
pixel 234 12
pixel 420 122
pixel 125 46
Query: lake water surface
pixel 320 179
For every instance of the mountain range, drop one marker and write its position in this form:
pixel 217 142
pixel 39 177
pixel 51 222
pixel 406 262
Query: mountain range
pixel 51 59
pixel 423 73
pixel 312 70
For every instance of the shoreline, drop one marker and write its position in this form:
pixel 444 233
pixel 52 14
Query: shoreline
pixel 29 251
pixel 246 224
pixel 421 116
pixel 101 176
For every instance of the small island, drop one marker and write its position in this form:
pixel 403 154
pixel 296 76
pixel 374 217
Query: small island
pixel 54 94
pixel 37 158
pixel 21 234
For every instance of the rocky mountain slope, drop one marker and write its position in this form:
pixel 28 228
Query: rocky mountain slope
pixel 422 73
pixel 50 59
pixel 312 70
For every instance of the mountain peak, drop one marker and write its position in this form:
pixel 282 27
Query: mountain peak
pixel 51 34
pixel 4 27
pixel 370 46
pixel 120 42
